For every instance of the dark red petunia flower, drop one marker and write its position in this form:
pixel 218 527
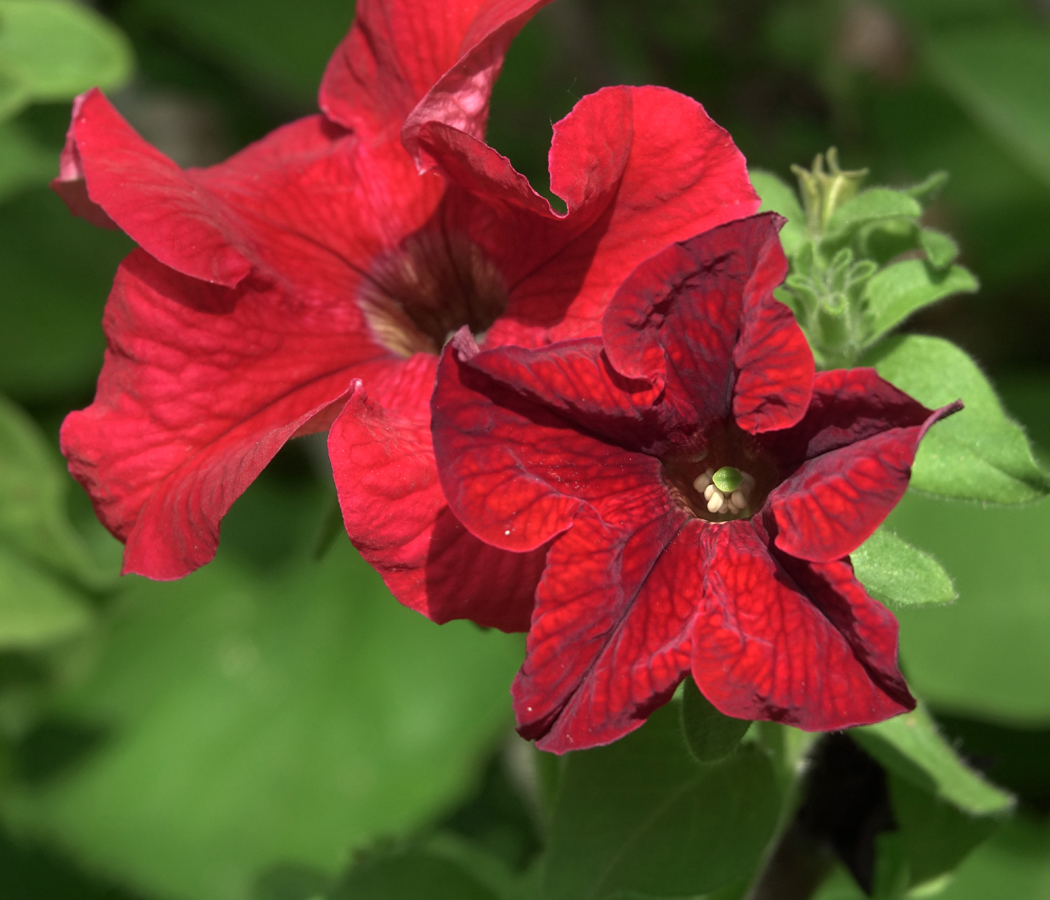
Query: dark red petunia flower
pixel 314 277
pixel 609 447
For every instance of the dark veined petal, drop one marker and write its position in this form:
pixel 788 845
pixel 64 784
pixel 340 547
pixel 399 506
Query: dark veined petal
pixel 610 635
pixel 792 642
pixel 700 317
pixel 513 471
pixel 858 443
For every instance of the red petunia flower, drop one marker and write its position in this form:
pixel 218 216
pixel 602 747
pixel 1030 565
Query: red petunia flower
pixel 314 277
pixel 614 448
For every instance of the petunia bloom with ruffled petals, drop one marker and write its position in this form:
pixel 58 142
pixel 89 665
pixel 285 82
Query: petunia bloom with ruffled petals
pixel 313 278
pixel 702 488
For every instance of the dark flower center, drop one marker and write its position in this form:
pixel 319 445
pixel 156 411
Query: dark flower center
pixel 421 293
pixel 696 475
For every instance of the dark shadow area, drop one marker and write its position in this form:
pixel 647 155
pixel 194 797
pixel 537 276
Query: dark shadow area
pixel 30 871
pixel 55 747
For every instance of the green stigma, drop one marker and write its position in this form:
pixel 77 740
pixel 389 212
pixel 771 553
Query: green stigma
pixel 727 479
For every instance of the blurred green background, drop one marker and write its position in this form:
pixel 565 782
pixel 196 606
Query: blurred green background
pixel 238 735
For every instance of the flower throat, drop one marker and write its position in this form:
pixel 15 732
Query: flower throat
pixel 421 293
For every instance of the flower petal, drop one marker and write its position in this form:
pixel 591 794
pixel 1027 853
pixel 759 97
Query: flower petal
pixel 689 316
pixel 859 441
pixel 513 471
pixel 792 642
pixel 772 356
pixel 399 52
pixel 200 387
pixel 574 379
pixel 147 195
pixel 638 169
pixel 610 636
pixel 397 517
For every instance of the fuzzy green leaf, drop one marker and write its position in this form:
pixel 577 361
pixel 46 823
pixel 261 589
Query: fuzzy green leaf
pixel 976 454
pixel 905 287
pixel 642 815
pixel 898 574
pixel 869 206
pixel 940 248
pixel 778 196
pixel 912 747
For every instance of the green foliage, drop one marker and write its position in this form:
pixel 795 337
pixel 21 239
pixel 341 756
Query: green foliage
pixel 1015 864
pixel 1001 77
pixel 986 653
pixel 33 487
pixel 911 747
pixel 54 49
pixel 709 735
pixel 439 867
pixel 976 454
pixel 642 815
pixel 273 721
pixel 41 556
pixel 935 835
pixel 906 287
pixel 848 285
pixel 898 574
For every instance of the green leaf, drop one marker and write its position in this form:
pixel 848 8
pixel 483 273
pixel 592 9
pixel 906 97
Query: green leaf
pixel 940 248
pixel 411 876
pixel 35 609
pixel 275 722
pixel 57 48
pixel 898 574
pixel 777 196
pixel 1015 863
pixel 901 289
pixel 976 454
pixel 443 865
pixel 23 163
pixel 709 734
pixel 33 485
pixel 935 835
pixel 912 747
pixel 986 653
pixel 1001 77
pixel 642 815
pixel 928 189
pixel 869 206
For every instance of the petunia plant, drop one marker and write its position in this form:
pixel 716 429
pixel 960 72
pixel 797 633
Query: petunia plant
pixel 656 419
